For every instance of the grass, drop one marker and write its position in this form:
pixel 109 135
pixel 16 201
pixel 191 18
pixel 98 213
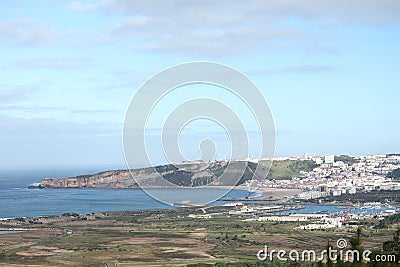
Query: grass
pixel 287 169
pixel 169 240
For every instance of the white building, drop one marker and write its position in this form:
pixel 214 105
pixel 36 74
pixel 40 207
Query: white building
pixel 317 160
pixel 284 218
pixel 329 159
pixel 351 190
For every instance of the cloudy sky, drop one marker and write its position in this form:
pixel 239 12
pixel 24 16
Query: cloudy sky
pixel 328 69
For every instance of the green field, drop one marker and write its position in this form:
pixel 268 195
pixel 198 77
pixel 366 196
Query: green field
pixel 287 169
pixel 158 238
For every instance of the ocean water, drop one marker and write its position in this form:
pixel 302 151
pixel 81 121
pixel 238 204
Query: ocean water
pixel 16 200
pixel 334 209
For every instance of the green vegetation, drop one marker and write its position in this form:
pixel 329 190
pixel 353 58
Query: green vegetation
pixel 395 174
pixel 302 165
pixel 279 170
pixel 287 169
pixel 390 250
pixel 346 159
pixel 387 221
pixel 210 173
pixel 170 238
pixel 361 197
pixel 254 264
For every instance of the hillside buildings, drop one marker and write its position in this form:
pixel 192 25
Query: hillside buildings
pixel 334 178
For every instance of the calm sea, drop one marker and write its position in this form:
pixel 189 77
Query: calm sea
pixel 18 201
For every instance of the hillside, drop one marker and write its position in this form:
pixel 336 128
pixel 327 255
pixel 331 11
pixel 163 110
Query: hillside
pixel 287 169
pixel 188 175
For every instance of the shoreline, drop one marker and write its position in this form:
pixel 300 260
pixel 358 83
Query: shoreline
pixel 272 194
pixel 278 193
pixel 266 194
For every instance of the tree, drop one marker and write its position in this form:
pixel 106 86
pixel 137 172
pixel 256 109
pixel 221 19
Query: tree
pixel 355 244
pixel 346 159
pixel 395 174
pixel 329 261
pixel 393 246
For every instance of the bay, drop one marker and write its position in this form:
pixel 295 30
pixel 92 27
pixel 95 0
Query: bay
pixel 16 200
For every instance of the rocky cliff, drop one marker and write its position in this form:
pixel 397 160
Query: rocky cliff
pixel 190 174
pixel 108 179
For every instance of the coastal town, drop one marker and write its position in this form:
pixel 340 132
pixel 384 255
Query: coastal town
pixel 337 175
pixel 306 207
pixel 333 182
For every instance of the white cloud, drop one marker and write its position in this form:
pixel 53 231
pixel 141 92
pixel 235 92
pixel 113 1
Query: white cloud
pixel 27 31
pixel 301 69
pixel 229 11
pixel 14 93
pixel 223 27
pixel 209 27
pixel 56 63
pixel 15 126
pixel 46 141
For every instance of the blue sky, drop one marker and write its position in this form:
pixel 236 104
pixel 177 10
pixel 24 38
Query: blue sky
pixel 328 69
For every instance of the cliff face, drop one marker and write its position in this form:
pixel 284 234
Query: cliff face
pixel 191 174
pixel 108 179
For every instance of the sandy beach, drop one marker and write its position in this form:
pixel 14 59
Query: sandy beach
pixel 277 193
pixel 267 193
